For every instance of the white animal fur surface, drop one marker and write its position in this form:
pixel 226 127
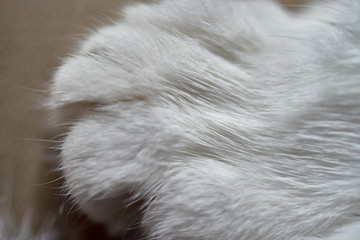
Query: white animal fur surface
pixel 222 119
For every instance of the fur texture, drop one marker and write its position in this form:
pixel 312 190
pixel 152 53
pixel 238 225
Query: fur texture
pixel 217 120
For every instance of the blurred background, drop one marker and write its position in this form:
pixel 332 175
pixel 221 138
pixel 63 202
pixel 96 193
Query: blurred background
pixel 34 37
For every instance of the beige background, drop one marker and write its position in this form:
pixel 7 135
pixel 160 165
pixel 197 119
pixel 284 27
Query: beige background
pixel 34 36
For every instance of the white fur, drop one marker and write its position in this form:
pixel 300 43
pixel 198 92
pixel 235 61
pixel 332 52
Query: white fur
pixel 227 119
